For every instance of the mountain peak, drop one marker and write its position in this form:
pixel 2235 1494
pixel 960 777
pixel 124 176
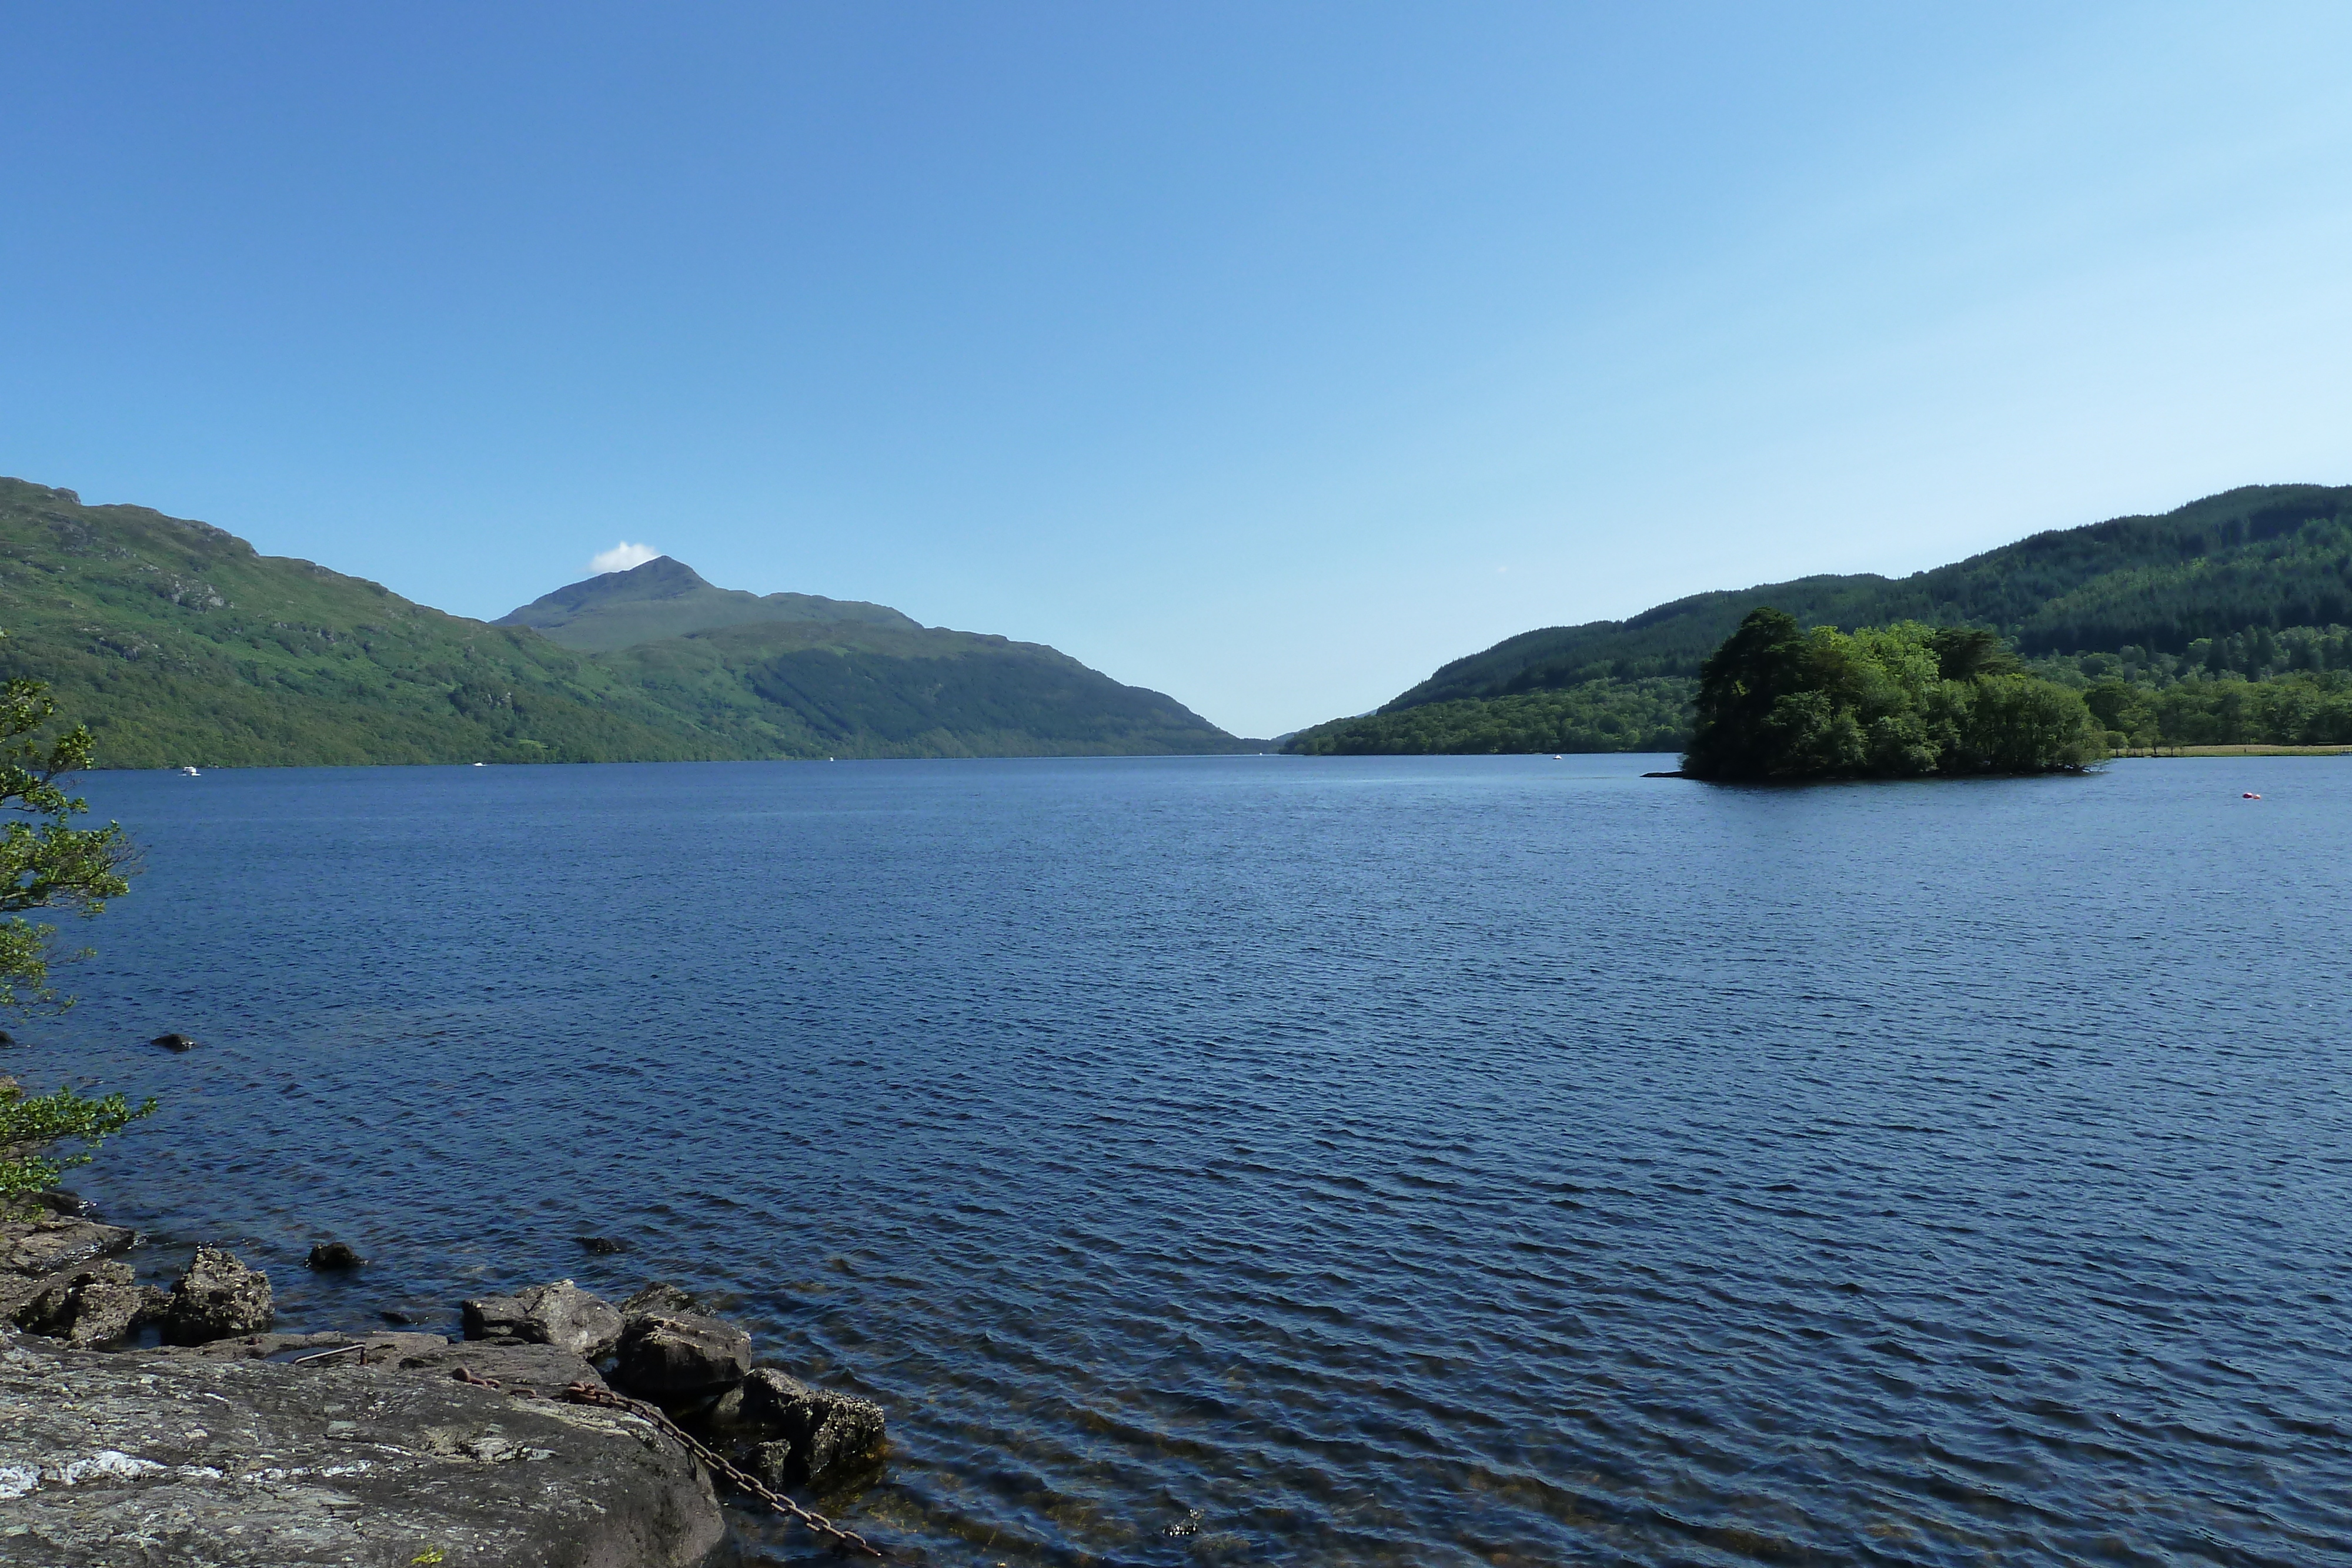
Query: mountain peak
pixel 664 574
pixel 663 577
pixel 667 598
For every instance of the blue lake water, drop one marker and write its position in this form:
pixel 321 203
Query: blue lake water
pixel 1413 1161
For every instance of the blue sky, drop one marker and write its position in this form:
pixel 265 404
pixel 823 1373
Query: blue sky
pixel 1267 355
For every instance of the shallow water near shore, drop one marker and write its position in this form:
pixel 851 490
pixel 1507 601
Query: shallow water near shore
pixel 1413 1161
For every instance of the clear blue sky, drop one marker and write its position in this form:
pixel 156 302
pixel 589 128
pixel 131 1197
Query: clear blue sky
pixel 1269 355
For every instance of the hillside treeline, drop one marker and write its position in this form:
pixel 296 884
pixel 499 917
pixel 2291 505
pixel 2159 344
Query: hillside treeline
pixel 2273 556
pixel 2258 687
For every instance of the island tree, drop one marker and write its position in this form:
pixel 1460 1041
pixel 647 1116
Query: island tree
pixel 1776 701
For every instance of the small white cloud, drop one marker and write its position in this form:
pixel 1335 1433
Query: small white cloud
pixel 622 557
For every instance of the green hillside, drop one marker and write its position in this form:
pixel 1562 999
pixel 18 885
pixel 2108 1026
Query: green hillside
pixel 666 598
pixel 2267 555
pixel 858 689
pixel 178 644
pixel 2248 585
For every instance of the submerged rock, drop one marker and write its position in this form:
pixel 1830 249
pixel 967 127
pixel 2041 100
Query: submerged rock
pixel 217 1297
pixel 824 1429
pixel 681 1354
pixel 603 1246
pixel 660 1296
pixel 335 1256
pixel 560 1314
pixel 143 1458
pixel 771 1462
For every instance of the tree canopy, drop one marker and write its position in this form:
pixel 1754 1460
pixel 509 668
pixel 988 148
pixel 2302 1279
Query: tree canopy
pixel 47 863
pixel 1778 701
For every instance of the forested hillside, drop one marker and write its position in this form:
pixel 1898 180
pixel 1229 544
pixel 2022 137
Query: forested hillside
pixel 178 644
pixel 2272 555
pixel 2236 587
pixel 861 689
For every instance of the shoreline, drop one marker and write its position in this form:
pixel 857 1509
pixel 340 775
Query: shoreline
pixel 560 1429
pixel 2248 748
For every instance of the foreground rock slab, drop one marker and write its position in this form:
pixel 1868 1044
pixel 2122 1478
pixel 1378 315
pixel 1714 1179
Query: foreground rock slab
pixel 144 1459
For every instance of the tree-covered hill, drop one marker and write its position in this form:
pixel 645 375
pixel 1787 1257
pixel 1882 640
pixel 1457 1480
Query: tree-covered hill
pixel 180 643
pixel 2266 555
pixel 850 689
pixel 2249 585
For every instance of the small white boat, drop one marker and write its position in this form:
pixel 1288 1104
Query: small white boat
pixel 191 773
pixel 481 765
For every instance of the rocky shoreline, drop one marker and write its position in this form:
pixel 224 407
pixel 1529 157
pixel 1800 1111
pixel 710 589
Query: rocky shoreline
pixel 560 1429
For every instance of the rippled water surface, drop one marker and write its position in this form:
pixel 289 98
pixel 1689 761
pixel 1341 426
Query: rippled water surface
pixel 1353 1161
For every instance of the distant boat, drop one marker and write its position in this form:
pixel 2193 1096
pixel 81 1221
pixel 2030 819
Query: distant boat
pixel 191 772
pixel 481 765
pixel 2249 795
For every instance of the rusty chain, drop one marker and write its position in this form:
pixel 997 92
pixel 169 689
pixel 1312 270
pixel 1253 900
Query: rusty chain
pixel 593 1393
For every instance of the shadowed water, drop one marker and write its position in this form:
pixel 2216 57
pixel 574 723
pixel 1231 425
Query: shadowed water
pixel 1413 1161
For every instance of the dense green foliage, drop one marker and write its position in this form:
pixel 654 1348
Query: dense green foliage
pixel 180 644
pixel 2271 556
pixel 667 598
pixel 1778 702
pixel 2292 687
pixel 48 862
pixel 1599 715
pixel 31 1125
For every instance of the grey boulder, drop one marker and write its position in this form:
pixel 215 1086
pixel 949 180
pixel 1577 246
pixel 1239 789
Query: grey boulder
pixel 546 1368
pixel 92 1308
pixel 826 1430
pixel 681 1354
pixel 52 1242
pixel 218 1297
pixel 560 1314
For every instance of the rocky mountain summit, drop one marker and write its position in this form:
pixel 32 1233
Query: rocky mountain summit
pixel 563 1429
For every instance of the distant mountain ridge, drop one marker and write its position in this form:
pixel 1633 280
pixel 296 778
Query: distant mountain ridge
pixel 179 643
pixel 667 598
